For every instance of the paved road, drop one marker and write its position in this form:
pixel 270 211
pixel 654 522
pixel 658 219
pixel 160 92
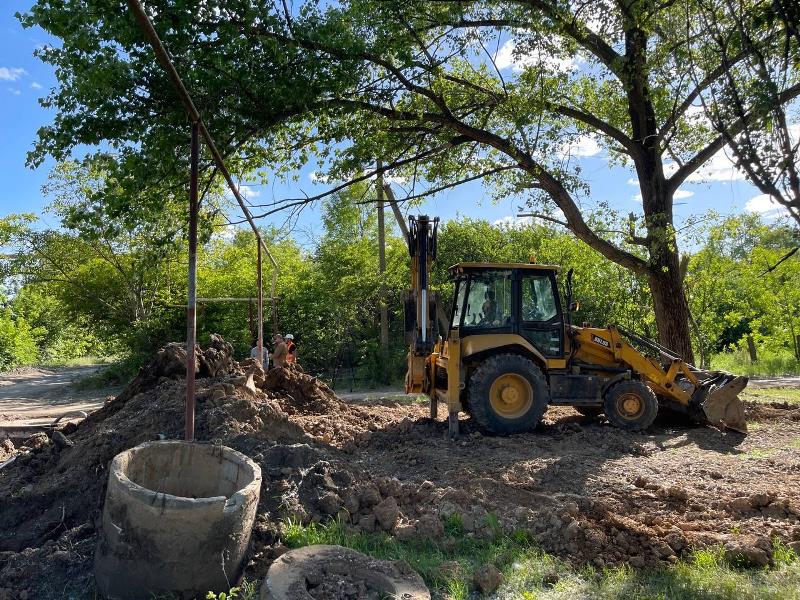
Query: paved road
pixel 37 396
pixel 775 382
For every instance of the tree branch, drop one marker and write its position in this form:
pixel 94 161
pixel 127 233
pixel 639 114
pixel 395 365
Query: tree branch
pixel 734 129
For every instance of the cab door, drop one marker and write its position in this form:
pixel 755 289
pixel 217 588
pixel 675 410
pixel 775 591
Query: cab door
pixel 539 311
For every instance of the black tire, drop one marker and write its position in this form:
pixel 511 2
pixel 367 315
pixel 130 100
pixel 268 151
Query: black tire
pixel 589 411
pixel 508 371
pixel 630 405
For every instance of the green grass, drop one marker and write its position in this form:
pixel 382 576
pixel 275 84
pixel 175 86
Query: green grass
pixel 790 395
pixel 117 373
pixel 531 573
pixel 770 363
pixel 82 361
pixel 757 454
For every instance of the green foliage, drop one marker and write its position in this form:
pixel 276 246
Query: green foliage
pixel 733 292
pixel 17 342
pixel 329 293
pixel 246 591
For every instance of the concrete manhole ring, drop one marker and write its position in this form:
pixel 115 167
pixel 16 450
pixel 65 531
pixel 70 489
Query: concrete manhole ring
pixel 336 573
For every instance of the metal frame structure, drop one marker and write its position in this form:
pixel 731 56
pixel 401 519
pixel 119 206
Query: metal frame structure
pixel 199 129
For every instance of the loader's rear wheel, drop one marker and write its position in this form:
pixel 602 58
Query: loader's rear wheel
pixel 630 405
pixel 507 394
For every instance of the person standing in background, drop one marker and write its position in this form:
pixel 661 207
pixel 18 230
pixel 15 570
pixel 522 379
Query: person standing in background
pixel 279 352
pixel 265 354
pixel 291 349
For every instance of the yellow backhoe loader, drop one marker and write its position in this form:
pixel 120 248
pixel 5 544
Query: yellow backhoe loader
pixel 509 350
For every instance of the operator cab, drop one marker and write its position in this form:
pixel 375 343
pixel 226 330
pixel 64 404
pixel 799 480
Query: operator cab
pixel 509 298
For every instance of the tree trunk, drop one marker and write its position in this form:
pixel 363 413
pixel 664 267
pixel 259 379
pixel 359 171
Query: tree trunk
pixel 751 349
pixel 672 312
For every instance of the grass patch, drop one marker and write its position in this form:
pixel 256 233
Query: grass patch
pixel 705 575
pixel 82 361
pixel 118 373
pixel 790 395
pixel 532 574
pixel 770 364
pixel 757 454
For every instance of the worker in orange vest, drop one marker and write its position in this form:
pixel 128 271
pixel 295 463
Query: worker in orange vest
pixel 291 347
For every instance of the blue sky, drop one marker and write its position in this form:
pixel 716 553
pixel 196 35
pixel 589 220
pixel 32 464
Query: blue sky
pixel 23 79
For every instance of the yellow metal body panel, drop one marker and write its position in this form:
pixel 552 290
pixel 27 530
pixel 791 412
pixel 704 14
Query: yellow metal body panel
pixel 605 346
pixel 473 344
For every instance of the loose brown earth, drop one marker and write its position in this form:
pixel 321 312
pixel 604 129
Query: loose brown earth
pixel 585 490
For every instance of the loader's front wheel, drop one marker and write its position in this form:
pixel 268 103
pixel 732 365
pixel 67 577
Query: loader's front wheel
pixel 630 405
pixel 507 394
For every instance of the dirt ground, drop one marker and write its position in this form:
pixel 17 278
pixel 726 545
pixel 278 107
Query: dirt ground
pixel 584 490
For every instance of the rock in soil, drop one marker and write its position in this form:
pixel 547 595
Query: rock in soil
pixel 487 578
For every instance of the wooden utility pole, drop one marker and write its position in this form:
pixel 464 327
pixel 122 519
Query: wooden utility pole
pixel 382 264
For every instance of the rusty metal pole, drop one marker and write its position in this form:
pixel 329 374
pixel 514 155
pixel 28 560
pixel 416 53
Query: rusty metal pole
pixel 384 308
pixel 260 343
pixel 191 303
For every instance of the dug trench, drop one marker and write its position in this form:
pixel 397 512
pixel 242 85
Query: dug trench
pixel 578 487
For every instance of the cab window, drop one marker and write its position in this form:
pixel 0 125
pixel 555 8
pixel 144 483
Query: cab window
pixel 458 306
pixel 538 302
pixel 489 300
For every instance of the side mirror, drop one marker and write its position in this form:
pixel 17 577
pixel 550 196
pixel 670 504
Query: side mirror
pixel 573 306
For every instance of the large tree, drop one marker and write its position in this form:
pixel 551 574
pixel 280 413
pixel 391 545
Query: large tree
pixel 421 85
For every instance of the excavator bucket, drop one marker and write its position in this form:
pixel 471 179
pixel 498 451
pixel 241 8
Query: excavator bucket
pixel 721 406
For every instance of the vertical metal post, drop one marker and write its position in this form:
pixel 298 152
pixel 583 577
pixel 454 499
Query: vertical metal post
pixel 260 343
pixel 191 304
pixel 384 316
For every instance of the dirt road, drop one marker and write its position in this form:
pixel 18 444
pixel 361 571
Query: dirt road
pixel 35 397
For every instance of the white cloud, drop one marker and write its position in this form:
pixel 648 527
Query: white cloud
pixel 36 85
pixel 508 57
pixel 513 222
pixel 11 73
pixel 318 177
pixel 14 91
pixel 633 181
pixel 678 195
pixel 719 168
pixel 518 222
pixel 249 192
pixel 763 204
pixel 245 191
pixel 226 233
pixel 581 147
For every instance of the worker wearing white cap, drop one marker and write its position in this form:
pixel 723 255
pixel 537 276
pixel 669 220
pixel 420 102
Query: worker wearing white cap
pixel 291 355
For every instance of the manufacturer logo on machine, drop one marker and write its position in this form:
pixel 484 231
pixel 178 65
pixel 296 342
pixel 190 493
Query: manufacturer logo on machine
pixel 598 340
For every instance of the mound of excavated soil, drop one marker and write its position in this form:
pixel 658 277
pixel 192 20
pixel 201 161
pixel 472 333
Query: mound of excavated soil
pixel 579 487
pixel 52 493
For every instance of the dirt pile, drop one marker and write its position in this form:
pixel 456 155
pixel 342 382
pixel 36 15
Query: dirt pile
pixel 52 493
pixel 319 412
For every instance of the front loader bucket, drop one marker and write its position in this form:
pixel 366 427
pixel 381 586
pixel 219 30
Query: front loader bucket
pixel 721 406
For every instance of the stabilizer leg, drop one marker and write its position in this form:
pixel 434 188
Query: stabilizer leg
pixel 452 425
